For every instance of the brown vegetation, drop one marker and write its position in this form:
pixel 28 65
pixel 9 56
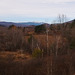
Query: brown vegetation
pixel 51 52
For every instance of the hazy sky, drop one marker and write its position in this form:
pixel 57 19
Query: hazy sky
pixel 35 10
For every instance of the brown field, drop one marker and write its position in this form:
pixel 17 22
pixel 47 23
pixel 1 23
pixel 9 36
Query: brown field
pixel 14 56
pixel 16 63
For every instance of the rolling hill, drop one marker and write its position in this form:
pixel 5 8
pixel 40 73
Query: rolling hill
pixel 23 24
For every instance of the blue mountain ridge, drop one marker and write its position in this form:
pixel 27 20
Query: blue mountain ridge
pixel 22 24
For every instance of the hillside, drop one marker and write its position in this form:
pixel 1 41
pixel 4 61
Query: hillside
pixel 33 50
pixel 22 24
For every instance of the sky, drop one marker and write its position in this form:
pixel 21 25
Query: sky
pixel 36 10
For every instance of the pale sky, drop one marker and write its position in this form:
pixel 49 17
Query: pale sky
pixel 35 10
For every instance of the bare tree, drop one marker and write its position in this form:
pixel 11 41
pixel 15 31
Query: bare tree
pixel 48 68
pixel 49 53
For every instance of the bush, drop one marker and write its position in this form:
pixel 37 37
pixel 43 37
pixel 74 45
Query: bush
pixel 72 44
pixel 37 53
pixel 40 28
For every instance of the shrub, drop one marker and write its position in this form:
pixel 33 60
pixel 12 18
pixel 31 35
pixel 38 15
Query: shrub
pixel 40 28
pixel 72 44
pixel 37 53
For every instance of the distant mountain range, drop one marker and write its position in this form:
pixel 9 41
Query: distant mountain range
pixel 23 24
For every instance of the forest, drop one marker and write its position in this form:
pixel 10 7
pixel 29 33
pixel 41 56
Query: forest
pixel 47 49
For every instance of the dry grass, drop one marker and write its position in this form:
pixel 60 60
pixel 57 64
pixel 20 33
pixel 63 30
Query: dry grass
pixel 14 56
pixel 15 63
